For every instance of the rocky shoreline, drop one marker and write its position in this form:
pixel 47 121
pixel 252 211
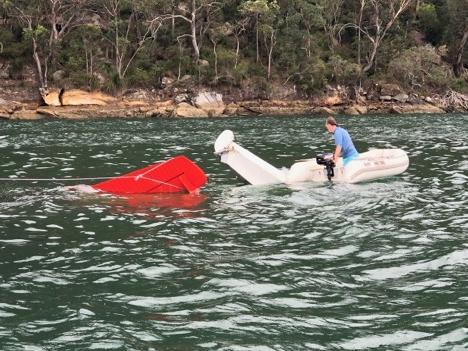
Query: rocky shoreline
pixel 78 104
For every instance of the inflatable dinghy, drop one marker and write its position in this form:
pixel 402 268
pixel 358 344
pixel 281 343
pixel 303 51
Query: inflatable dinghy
pixel 370 165
pixel 177 175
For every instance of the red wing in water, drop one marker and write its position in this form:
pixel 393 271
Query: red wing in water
pixel 176 175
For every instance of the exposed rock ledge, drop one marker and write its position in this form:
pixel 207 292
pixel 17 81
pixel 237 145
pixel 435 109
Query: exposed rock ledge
pixel 76 104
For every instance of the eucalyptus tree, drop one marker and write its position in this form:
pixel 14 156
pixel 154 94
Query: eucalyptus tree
pixel 197 14
pixel 376 19
pixel 90 35
pixel 46 23
pixel 331 13
pixel 269 28
pixel 311 19
pixel 128 26
pixel 215 35
pixel 236 28
pixel 258 10
pixel 458 33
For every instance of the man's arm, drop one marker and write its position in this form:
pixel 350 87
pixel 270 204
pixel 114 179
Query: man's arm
pixel 338 143
pixel 337 154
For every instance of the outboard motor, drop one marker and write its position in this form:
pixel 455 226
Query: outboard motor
pixel 327 161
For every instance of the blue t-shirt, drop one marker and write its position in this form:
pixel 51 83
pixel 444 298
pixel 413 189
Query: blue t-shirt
pixel 343 139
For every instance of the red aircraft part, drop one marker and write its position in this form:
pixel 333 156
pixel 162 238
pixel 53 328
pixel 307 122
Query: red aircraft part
pixel 176 175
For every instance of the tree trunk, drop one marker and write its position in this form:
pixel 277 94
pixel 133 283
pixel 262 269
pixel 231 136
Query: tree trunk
pixel 40 75
pixel 270 52
pixel 237 51
pixel 173 20
pixel 216 61
pixel 372 56
pixel 193 26
pixel 256 39
pixel 459 64
pixel 361 11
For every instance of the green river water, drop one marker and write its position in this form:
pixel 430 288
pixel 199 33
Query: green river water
pixel 381 265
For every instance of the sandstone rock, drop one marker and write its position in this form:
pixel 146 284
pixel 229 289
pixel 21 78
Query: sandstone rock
pixel 182 98
pixel 136 103
pixel 385 98
pixel 166 103
pixel 390 89
pixel 415 99
pixel 361 109
pixel 401 98
pixel 351 110
pixel 231 109
pixel 324 111
pixel 429 100
pixel 211 102
pixel 422 108
pixel 76 97
pixel 26 115
pixel 361 98
pixel 47 111
pixel 186 110
pixel 4 114
pixel 332 100
pixel 136 94
pixel 356 110
pixel 58 75
pixel 157 112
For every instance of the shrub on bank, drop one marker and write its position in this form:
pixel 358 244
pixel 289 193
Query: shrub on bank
pixel 421 68
pixel 343 72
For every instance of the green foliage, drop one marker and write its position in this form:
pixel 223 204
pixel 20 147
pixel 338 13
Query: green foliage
pixel 311 76
pixel 258 7
pixel 140 77
pixel 420 68
pixel 38 32
pixel 460 85
pixel 343 72
pixel 429 23
pixel 15 50
pixel 306 39
pixel 241 71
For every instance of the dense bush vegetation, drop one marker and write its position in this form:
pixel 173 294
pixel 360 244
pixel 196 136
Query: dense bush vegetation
pixel 113 44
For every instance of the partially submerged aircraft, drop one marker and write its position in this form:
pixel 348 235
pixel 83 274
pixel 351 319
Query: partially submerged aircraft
pixel 176 175
pixel 370 165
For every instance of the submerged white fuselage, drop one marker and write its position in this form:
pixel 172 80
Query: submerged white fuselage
pixel 370 165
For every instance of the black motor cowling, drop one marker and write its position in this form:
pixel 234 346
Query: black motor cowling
pixel 327 161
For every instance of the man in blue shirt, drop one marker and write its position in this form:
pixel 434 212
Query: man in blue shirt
pixel 343 142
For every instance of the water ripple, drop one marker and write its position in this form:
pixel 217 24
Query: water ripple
pixel 378 266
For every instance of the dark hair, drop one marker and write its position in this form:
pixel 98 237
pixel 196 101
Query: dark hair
pixel 331 120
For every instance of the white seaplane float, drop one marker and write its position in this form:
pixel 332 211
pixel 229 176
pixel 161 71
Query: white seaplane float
pixel 370 165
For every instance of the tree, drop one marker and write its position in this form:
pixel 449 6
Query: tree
pixel 331 14
pixel 458 33
pixel 269 29
pixel 420 68
pixel 40 19
pixel 376 19
pixel 91 38
pixel 256 9
pixel 237 28
pixel 128 30
pixel 311 18
pixel 197 14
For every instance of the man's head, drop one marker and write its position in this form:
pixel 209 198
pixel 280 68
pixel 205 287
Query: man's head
pixel 331 124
